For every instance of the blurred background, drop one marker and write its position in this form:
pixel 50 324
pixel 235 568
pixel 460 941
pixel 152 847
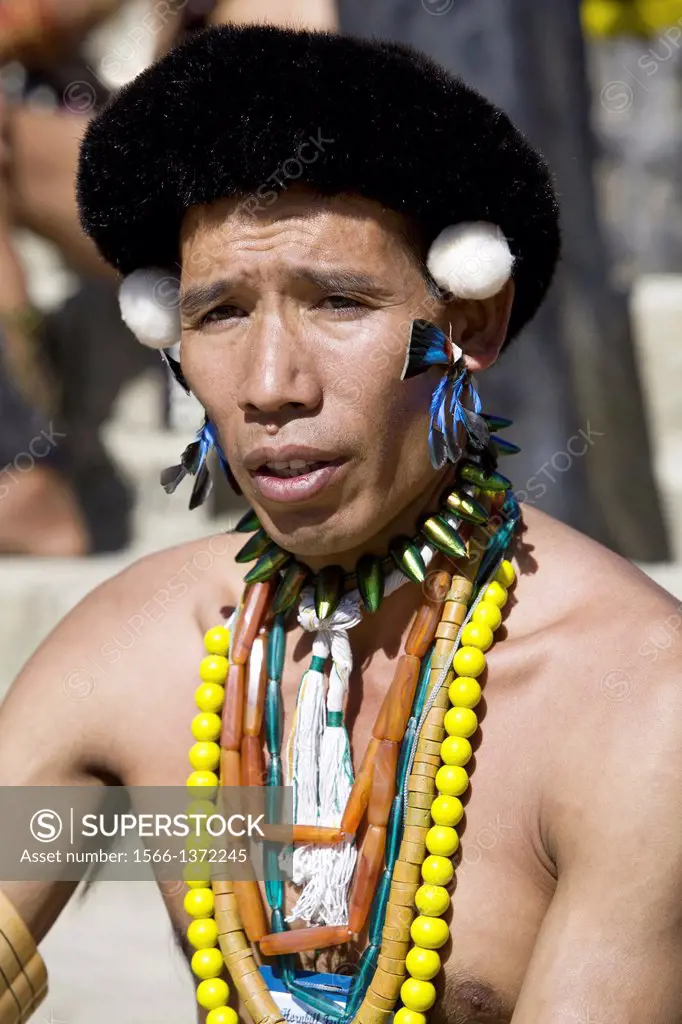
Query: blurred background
pixel 88 418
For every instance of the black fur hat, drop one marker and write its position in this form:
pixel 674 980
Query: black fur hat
pixel 247 110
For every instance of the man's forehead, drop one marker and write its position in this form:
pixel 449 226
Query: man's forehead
pixel 298 209
pixel 295 235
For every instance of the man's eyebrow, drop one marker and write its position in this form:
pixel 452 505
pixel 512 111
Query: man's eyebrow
pixel 199 297
pixel 340 280
pixel 202 296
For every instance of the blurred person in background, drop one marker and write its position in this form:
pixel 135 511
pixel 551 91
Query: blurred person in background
pixel 51 94
pixel 39 512
pixel 530 58
pixel 636 61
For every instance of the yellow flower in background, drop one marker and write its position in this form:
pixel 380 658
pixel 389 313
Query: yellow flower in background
pixel 631 17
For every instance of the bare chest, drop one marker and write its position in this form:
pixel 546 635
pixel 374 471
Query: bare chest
pixel 502 886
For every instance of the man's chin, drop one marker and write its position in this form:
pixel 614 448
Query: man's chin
pixel 311 532
pixel 316 536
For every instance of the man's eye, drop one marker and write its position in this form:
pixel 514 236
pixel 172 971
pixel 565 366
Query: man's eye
pixel 222 313
pixel 340 302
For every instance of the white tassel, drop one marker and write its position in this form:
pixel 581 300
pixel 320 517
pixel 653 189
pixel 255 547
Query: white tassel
pixel 336 863
pixel 303 757
pixel 329 869
pixel 324 898
pixel 325 872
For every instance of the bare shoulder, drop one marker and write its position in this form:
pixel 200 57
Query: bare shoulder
pixel 604 645
pixel 118 652
pixel 159 592
pixel 565 577
pixel 606 627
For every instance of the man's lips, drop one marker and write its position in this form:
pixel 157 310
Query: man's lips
pixel 300 487
pixel 288 470
pixel 258 459
pixel 293 472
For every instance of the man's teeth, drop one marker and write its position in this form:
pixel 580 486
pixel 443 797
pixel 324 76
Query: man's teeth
pixel 295 467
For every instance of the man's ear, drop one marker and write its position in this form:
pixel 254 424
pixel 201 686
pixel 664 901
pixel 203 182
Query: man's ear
pixel 479 326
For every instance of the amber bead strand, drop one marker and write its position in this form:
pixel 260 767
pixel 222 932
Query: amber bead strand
pixel 246 892
pixel 252 764
pixel 239 910
pixel 384 990
pixel 240 735
pixel 387 734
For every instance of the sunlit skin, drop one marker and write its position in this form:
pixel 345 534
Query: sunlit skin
pixel 304 343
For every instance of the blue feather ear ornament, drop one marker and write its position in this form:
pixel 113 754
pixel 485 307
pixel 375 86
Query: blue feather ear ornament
pixel 194 462
pixel 206 439
pixel 428 347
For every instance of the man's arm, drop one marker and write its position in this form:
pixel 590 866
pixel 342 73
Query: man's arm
pixel 610 947
pixel 81 710
pixel 37 32
pixel 41 182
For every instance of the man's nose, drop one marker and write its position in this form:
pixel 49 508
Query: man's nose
pixel 281 371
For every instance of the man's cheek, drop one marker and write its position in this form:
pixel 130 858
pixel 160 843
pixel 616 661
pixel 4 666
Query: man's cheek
pixel 404 410
pixel 214 387
pixel 416 393
pixel 230 434
pixel 348 390
pixel 234 448
pixel 378 360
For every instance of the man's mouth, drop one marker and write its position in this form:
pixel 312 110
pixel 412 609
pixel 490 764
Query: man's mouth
pixel 293 473
pixel 296 467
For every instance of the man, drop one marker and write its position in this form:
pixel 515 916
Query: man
pixel 297 306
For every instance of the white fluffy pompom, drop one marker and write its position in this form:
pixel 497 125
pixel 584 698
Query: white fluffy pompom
pixel 149 304
pixel 471 260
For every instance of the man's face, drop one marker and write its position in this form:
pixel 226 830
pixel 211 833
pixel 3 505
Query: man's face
pixel 295 329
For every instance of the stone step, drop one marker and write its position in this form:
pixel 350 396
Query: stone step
pixel 112 959
pixel 668 468
pixel 656 305
pixel 35 593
